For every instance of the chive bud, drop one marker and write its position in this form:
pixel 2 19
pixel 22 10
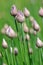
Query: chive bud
pixel 3 31
pixel 30 51
pixel 36 26
pixel 27 37
pixel 16 51
pixel 4 44
pixel 25 27
pixel 13 10
pixel 10 32
pixel 26 12
pixel 39 43
pixel 41 12
pixel 20 17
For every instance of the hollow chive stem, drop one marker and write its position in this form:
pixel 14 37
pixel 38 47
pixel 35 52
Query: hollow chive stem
pixel 7 56
pixel 12 59
pixel 24 43
pixel 42 48
pixel 41 56
pixel 40 62
pixel 19 42
pixel 11 53
pixel 3 59
pixel 17 60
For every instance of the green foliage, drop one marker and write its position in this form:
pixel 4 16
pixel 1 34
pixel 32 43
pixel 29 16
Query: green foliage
pixel 23 57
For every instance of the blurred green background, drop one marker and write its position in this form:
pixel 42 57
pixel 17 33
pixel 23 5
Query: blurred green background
pixel 5 17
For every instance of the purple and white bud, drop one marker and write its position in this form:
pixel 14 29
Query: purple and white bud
pixel 41 11
pixel 4 44
pixel 32 31
pixel 13 10
pixel 20 17
pixel 27 37
pixel 25 28
pixel 36 26
pixel 3 31
pixel 26 12
pixel 10 32
pixel 39 43
pixel 6 26
pixel 31 19
pixel 30 50
pixel 16 51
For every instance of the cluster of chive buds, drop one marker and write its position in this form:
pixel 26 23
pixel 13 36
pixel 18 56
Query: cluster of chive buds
pixel 20 17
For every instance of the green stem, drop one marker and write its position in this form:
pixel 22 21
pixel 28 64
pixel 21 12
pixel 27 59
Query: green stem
pixel 25 47
pixel 40 62
pixel 42 56
pixel 19 42
pixel 12 59
pixel 7 56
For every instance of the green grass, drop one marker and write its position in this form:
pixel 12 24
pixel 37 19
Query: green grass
pixel 5 17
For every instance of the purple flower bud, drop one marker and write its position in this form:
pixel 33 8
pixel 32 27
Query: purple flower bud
pixel 6 26
pixel 20 17
pixel 31 19
pixel 32 31
pixel 39 43
pixel 4 43
pixel 36 26
pixel 10 32
pixel 3 31
pixel 26 12
pixel 30 51
pixel 41 12
pixel 27 37
pixel 15 51
pixel 25 27
pixel 13 10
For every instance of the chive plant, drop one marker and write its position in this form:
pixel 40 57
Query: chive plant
pixel 26 33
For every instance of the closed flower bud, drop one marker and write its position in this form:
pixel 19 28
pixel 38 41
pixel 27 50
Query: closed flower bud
pixel 6 26
pixel 10 32
pixel 27 37
pixel 15 51
pixel 25 28
pixel 34 32
pixel 36 26
pixel 20 17
pixel 26 12
pixel 13 10
pixel 3 31
pixel 31 19
pixel 39 43
pixel 31 30
pixel 4 43
pixel 30 51
pixel 41 12
pixel 4 64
